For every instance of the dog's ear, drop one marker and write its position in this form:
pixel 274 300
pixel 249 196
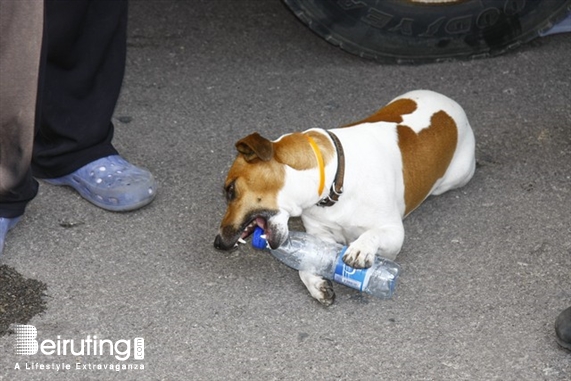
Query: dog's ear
pixel 254 147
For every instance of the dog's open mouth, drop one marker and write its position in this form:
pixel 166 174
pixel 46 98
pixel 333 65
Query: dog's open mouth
pixel 251 226
pixel 230 237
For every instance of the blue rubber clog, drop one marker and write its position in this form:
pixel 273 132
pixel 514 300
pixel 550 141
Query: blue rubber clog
pixel 111 183
pixel 6 224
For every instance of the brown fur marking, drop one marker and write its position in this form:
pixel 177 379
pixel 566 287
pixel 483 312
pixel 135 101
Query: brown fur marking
pixel 256 183
pixel 392 112
pixel 294 150
pixel 258 173
pixel 254 146
pixel 426 156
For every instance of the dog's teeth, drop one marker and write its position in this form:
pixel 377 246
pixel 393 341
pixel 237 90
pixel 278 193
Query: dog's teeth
pixel 240 240
pixel 263 236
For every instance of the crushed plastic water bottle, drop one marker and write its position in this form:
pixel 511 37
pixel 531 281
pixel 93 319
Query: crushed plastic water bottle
pixel 305 252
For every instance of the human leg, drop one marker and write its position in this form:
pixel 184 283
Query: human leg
pixel 21 25
pixel 82 77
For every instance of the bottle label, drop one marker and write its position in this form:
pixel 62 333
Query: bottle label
pixel 347 275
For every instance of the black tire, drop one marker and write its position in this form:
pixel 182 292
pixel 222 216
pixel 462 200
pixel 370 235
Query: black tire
pixel 407 31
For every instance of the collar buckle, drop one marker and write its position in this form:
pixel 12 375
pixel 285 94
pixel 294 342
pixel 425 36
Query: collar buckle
pixel 332 198
pixel 337 187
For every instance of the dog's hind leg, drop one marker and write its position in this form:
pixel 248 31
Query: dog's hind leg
pixel 320 288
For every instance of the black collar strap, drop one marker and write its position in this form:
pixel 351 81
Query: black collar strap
pixel 337 187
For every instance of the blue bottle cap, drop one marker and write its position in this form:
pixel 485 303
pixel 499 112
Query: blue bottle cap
pixel 257 241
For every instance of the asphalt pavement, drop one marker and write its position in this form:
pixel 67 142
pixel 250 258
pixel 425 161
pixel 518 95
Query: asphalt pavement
pixel 486 268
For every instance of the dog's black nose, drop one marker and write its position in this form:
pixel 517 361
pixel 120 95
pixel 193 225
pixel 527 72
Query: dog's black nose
pixel 224 246
pixel 218 242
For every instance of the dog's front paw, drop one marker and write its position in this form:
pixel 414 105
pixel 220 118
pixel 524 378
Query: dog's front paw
pixel 320 288
pixel 359 255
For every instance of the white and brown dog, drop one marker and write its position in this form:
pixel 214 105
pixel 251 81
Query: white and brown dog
pixel 352 185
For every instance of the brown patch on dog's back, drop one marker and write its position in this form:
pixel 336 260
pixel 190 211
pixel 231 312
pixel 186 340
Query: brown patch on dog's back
pixel 392 112
pixel 426 156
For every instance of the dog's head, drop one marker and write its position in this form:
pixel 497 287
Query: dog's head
pixel 256 190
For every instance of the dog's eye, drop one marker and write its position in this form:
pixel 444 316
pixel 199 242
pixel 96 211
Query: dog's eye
pixel 230 191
